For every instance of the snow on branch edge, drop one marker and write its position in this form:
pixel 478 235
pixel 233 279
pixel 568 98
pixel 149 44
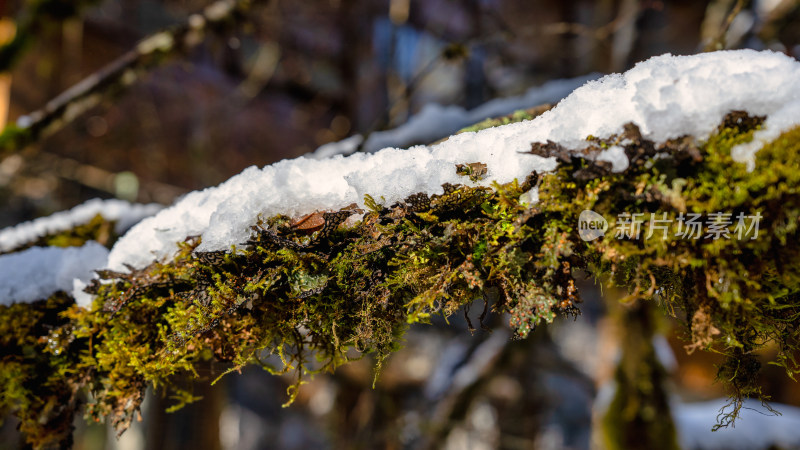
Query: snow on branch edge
pixel 666 96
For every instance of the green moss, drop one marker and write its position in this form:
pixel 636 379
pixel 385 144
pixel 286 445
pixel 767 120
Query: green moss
pixel 97 229
pixel 12 137
pixel 311 299
pixel 36 370
pixel 736 295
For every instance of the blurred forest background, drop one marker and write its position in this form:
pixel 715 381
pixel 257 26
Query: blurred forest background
pixel 277 80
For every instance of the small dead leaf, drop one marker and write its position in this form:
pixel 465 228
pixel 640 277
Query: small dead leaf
pixel 475 171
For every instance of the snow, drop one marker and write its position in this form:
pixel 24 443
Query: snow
pixel 38 272
pixel 756 427
pixel 666 96
pixel 124 213
pixel 616 156
pixel 435 121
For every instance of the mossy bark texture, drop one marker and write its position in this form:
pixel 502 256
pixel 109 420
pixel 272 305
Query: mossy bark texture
pixel 301 299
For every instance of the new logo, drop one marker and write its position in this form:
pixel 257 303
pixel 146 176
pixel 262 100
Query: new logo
pixel 591 225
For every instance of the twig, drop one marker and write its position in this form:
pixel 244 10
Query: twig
pixel 718 43
pixel 482 364
pixel 103 180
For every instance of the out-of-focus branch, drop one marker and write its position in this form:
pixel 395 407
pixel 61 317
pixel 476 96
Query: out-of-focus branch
pixel 19 174
pixel 452 408
pixel 104 180
pixel 716 41
pixel 776 19
pixel 601 33
pixel 123 72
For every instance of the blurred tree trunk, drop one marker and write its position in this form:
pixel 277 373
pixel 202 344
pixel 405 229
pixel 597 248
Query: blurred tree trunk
pixel 349 58
pixel 639 414
pixel 195 426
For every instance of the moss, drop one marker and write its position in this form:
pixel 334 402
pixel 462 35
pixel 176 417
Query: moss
pixel 35 370
pixel 736 294
pixel 292 301
pixel 516 116
pixel 97 229
pixel 12 137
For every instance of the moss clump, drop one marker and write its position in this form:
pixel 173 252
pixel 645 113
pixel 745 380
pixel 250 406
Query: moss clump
pixel 736 292
pixel 36 370
pixel 293 301
pixel 310 299
pixel 516 116
pixel 97 229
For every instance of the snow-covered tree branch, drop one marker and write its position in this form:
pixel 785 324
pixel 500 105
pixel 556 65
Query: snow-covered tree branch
pixel 296 265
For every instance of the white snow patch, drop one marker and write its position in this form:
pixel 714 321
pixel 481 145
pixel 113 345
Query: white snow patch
pixel 787 116
pixel 616 156
pixel 343 147
pixel 756 427
pixel 124 213
pixel 38 272
pixel 435 121
pixel 667 96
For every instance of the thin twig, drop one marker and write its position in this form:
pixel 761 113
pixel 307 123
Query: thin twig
pixel 718 43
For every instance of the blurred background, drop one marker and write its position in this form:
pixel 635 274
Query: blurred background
pixel 278 80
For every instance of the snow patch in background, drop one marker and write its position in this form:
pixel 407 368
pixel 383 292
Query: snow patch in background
pixel 124 213
pixel 38 272
pixel 756 427
pixel 434 121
